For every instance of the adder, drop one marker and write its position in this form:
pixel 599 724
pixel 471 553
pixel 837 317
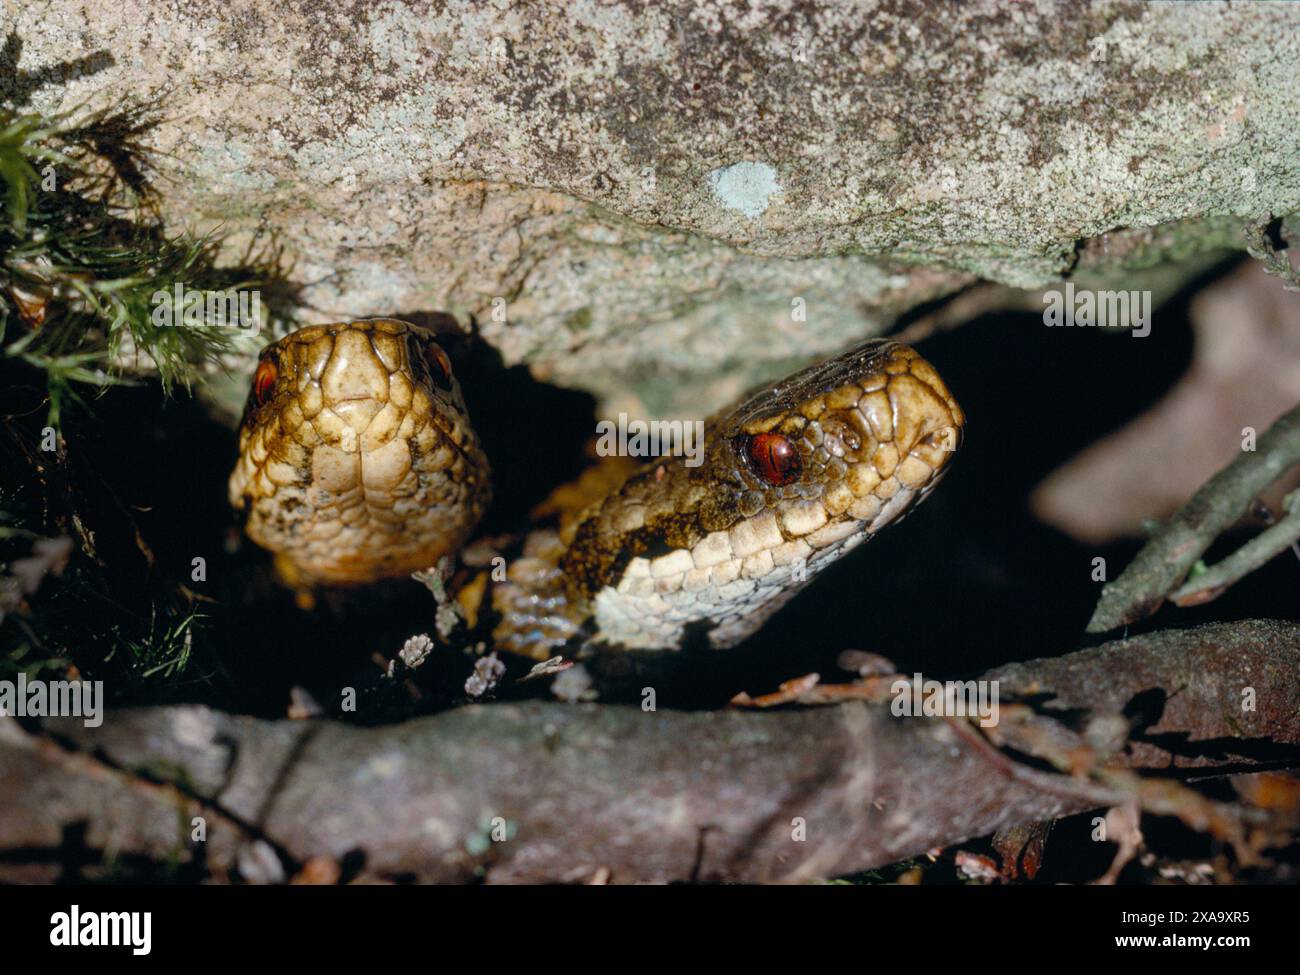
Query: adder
pixel 358 462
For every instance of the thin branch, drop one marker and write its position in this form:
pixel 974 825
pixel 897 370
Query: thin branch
pixel 1205 586
pixel 1165 560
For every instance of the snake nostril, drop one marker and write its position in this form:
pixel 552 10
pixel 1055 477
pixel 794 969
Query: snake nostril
pixel 843 436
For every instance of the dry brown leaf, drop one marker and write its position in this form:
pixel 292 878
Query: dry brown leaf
pixel 1245 373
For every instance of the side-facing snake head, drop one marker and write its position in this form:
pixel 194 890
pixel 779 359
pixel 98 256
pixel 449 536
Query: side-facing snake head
pixel 841 448
pixel 357 461
pixel 794 476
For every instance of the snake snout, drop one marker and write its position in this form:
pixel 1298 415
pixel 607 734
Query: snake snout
pixel 354 372
pixel 927 424
pixel 895 427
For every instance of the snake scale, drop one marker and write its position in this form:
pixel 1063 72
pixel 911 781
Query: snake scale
pixel 358 462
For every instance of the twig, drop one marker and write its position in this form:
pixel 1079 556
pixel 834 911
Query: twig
pixel 1165 560
pixel 1205 586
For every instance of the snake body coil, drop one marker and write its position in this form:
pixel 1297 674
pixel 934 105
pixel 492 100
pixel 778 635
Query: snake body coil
pixel 357 462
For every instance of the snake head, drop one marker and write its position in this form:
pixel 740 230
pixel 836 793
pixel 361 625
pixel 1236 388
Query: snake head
pixel 843 447
pixel 791 478
pixel 357 460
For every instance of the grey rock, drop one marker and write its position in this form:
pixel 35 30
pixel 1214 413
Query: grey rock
pixel 638 199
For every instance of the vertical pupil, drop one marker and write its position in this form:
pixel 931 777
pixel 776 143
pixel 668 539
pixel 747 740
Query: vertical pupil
pixel 439 366
pixel 774 458
pixel 264 382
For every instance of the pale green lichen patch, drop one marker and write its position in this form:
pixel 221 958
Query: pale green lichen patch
pixel 745 187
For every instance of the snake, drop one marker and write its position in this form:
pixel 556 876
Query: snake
pixel 358 462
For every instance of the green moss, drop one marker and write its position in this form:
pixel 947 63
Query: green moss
pixel 83 256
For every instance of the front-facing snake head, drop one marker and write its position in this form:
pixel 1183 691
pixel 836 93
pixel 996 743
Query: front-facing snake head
pixel 793 477
pixel 357 461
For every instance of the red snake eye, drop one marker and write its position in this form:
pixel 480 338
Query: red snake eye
pixel 773 458
pixel 439 365
pixel 264 381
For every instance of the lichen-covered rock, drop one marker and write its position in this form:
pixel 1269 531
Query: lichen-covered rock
pixel 640 198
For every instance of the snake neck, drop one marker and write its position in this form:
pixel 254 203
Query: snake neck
pixel 658 510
